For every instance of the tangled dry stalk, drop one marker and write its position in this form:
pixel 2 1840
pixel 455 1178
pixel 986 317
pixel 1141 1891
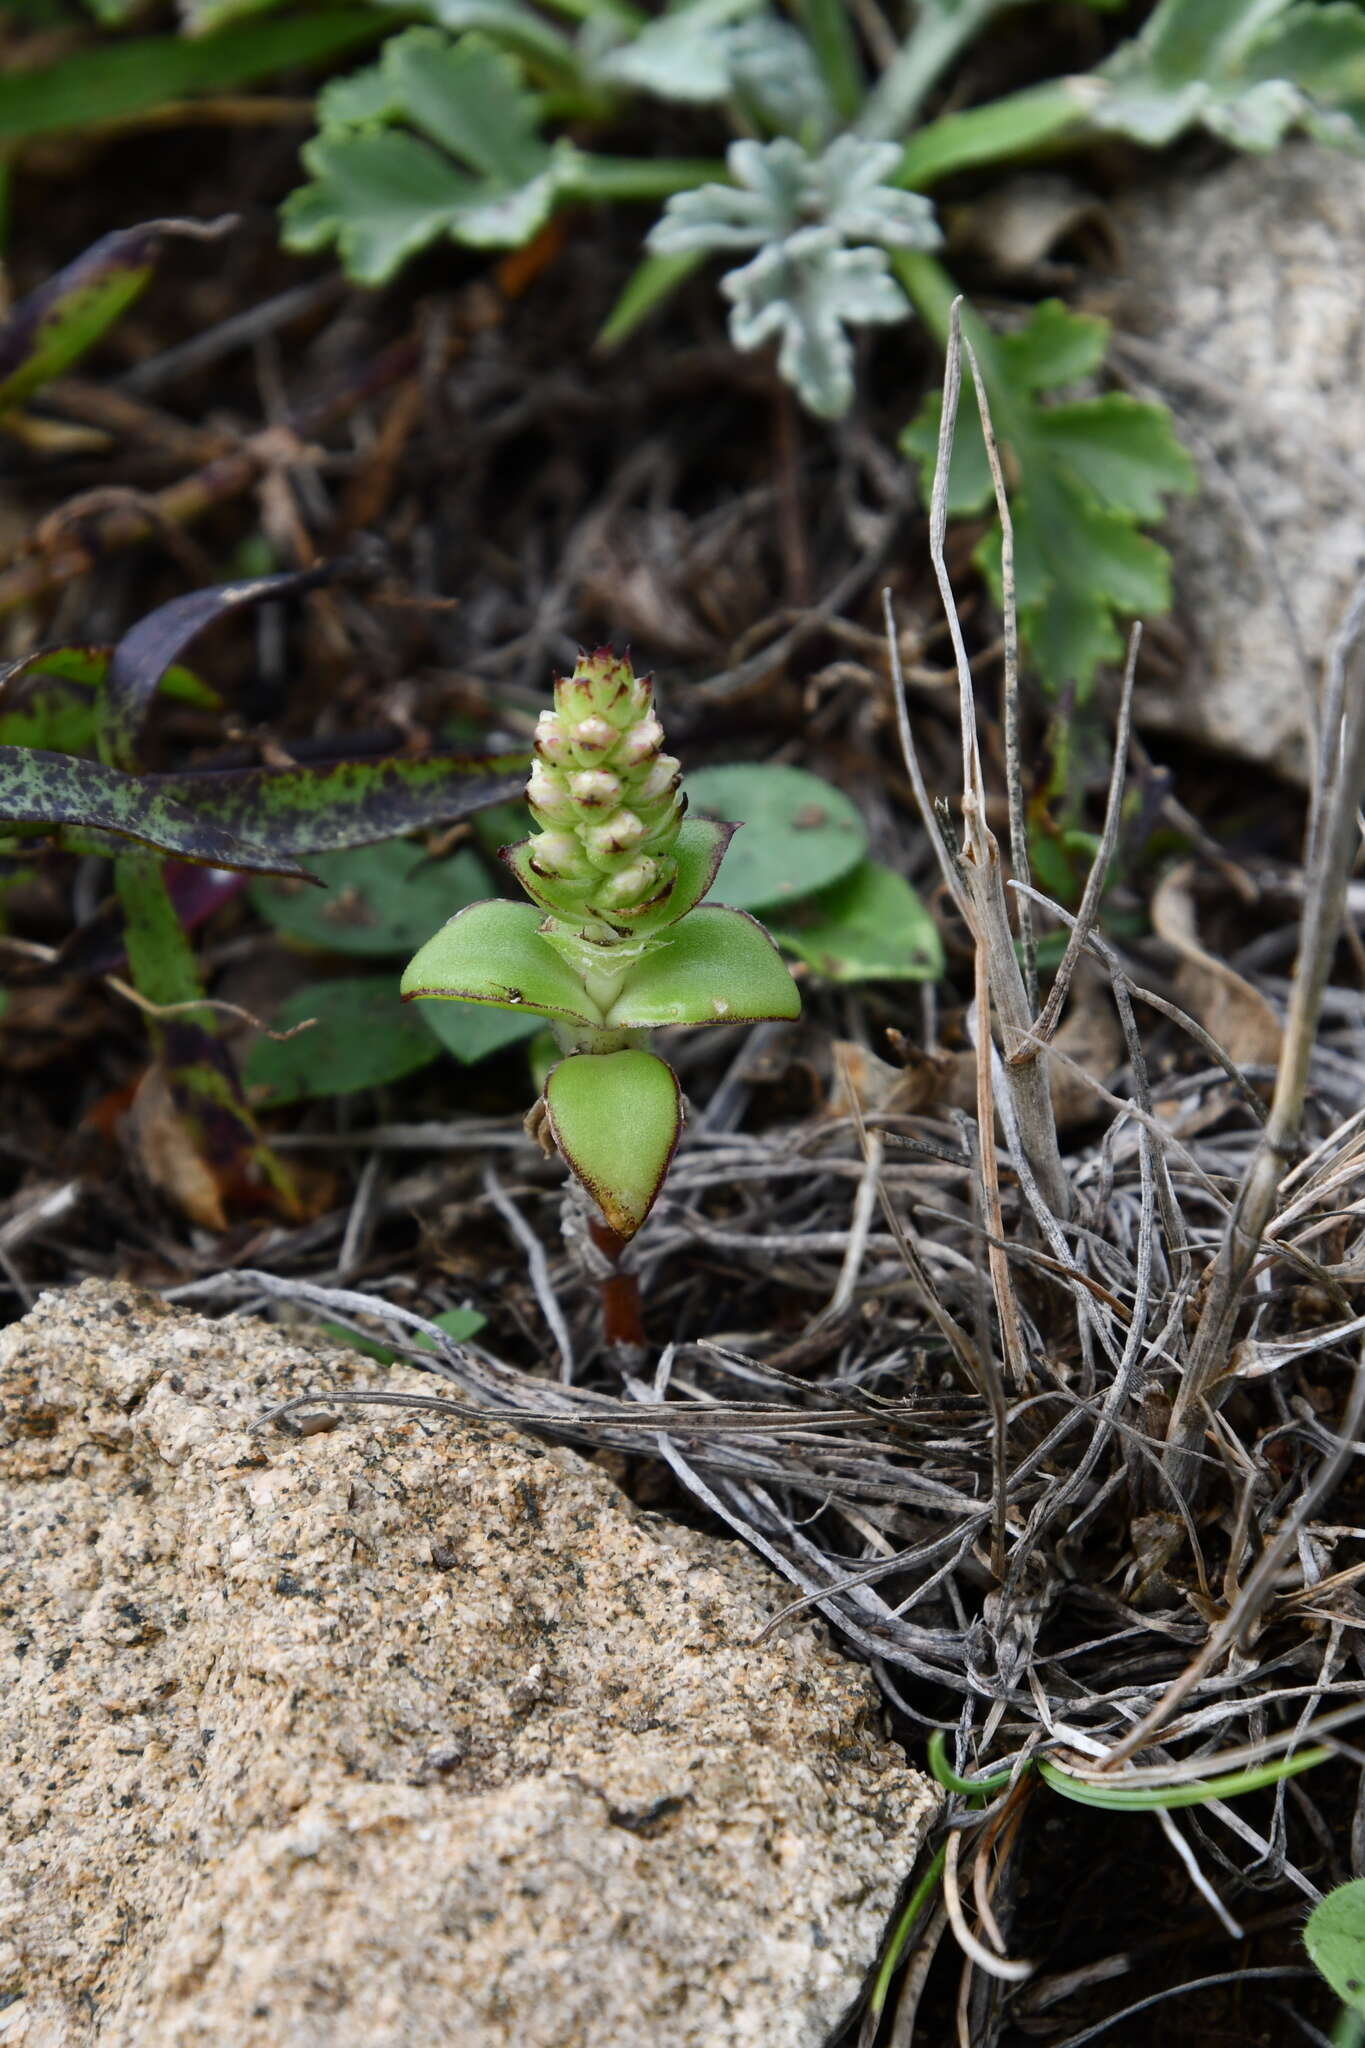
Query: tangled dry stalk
pixel 1084 1473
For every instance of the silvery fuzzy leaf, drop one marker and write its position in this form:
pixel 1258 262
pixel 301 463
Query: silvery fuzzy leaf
pixel 1246 70
pixel 802 292
pixel 846 190
pixel 780 188
pixel 762 205
pixel 683 55
pixel 1259 118
pixel 773 70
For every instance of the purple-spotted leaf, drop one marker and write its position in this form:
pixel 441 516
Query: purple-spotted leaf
pixel 147 650
pixel 67 797
pixel 55 325
pixel 698 850
pixel 718 967
pixel 616 1117
pixel 494 953
pixel 337 804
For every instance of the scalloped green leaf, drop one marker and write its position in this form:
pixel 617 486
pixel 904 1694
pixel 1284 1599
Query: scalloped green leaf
pixel 717 967
pixel 802 833
pixel 494 953
pixel 362 1038
pixel 1335 1940
pixel 699 850
pixel 616 1117
pixel 871 926
pixel 379 899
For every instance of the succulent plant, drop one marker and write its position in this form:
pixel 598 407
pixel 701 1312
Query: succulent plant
pixel 615 942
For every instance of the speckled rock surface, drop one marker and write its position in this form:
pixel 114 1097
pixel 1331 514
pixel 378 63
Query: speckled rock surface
pixel 401 1733
pixel 1244 282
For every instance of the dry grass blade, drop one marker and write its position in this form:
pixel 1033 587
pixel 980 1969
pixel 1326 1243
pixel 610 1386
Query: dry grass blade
pixel 1333 841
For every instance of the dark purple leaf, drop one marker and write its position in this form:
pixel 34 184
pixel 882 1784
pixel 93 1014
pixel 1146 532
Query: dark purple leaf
pixel 145 653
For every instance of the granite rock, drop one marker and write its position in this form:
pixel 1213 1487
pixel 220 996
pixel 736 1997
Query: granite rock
pixel 1242 298
pixel 402 1732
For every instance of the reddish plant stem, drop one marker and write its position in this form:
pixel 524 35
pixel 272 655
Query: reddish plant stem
pixel 622 1322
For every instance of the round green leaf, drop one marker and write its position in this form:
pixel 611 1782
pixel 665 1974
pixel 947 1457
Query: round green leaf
pixel 717 967
pixel 363 1038
pixel 1335 1940
pixel 493 953
pixel 379 899
pixel 871 926
pixel 615 1117
pixel 473 1031
pixel 800 834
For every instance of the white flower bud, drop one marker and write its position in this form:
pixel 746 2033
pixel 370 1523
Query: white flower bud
pixel 661 782
pixel 551 739
pixel 590 739
pixel 642 882
pixel 546 794
pixel 640 743
pixel 608 843
pixel 559 853
pixel 594 788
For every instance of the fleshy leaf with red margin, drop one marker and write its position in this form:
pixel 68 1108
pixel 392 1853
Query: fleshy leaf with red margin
pixel 616 1118
pixel 718 967
pixel 494 953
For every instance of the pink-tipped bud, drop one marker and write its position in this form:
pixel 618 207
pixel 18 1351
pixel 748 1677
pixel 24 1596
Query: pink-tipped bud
pixel 593 789
pixel 590 739
pixel 641 743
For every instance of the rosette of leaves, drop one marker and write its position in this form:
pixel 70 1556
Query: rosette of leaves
pixel 615 941
pixel 821 225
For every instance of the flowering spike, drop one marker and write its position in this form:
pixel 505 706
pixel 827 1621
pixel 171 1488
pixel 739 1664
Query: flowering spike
pixel 602 790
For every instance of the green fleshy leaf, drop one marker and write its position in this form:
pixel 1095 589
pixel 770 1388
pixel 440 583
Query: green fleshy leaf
pixel 616 1117
pixel 698 850
pixel 474 1031
pixel 380 899
pixel 51 699
pixel 717 967
pixel 871 926
pixel 52 328
pixel 801 833
pixel 1335 1940
pixel 119 81
pixel 458 1323
pixel 494 953
pixel 363 1038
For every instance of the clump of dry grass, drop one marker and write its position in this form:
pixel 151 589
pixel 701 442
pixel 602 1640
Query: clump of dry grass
pixel 1080 1485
